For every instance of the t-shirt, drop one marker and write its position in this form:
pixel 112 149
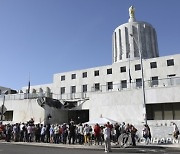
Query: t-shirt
pixel 107 132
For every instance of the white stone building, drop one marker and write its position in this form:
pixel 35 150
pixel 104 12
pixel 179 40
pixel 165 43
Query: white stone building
pixel 113 91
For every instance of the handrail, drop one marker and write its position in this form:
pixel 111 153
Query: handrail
pixel 166 82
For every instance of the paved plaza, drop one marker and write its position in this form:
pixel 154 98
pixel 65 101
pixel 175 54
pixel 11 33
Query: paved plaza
pixel 46 148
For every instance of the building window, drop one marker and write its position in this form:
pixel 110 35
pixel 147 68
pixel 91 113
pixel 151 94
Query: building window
pixel 73 76
pixel 124 84
pixel 154 81
pixel 168 111
pixel 176 107
pixel 154 111
pixel 8 116
pixel 109 71
pixel 139 83
pixel 96 73
pixel 163 111
pixel 123 69
pixel 171 79
pixel 84 75
pixel 84 88
pixel 170 62
pixel 153 65
pixel 63 90
pixel 73 89
pixel 62 77
pixel 137 67
pixel 97 86
pixel 109 85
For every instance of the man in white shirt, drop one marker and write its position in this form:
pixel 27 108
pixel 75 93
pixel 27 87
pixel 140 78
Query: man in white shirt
pixel 107 139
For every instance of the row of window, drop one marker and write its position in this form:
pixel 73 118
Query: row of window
pixel 84 74
pixel 109 85
pixel 85 87
pixel 170 62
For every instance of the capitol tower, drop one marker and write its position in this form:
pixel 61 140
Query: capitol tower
pixel 145 40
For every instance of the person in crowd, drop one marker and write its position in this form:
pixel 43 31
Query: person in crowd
pixel 37 133
pixel 91 135
pixel 72 131
pixel 122 128
pixel 125 130
pixel 175 130
pixel 64 133
pixel 21 132
pixel 8 132
pixel 47 133
pixel 51 130
pixel 113 134
pixel 102 135
pixel 107 139
pixel 149 133
pixel 30 132
pixel 60 134
pixel 31 122
pixel 133 131
pixel 56 134
pixel 146 134
pixel 117 132
pixel 16 131
pixel 109 125
pixel 43 132
pixel 80 130
pixel 76 140
pixel 2 128
pixel 97 134
pixel 86 134
pixel 25 134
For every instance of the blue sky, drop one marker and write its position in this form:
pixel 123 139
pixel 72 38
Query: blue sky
pixel 44 37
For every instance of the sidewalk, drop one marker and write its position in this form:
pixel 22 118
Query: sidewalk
pixel 92 147
pixel 71 146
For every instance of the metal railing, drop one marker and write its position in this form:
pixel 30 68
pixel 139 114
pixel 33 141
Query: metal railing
pixel 22 96
pixel 167 82
pixel 72 96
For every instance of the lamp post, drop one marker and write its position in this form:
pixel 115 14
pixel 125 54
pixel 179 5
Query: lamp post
pixel 142 75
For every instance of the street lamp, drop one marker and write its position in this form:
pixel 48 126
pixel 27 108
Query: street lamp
pixel 142 75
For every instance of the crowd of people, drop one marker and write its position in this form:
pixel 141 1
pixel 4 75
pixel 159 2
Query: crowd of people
pixel 71 133
pixel 64 133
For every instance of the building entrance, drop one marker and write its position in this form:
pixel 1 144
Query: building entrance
pixel 78 116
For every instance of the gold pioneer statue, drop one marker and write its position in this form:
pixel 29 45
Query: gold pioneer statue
pixel 131 12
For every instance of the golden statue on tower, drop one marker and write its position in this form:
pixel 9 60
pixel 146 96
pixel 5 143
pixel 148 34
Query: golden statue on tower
pixel 131 14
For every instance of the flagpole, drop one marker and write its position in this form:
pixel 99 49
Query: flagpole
pixel 29 85
pixel 142 78
pixel 129 71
